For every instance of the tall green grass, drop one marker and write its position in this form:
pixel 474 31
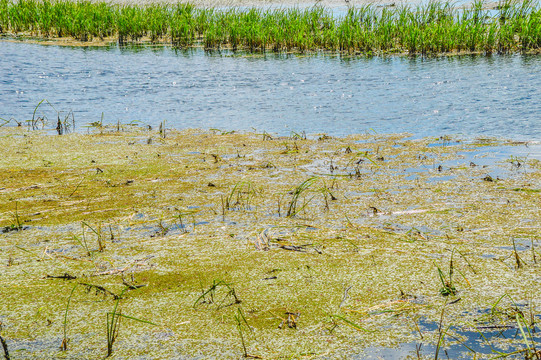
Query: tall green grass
pixel 433 28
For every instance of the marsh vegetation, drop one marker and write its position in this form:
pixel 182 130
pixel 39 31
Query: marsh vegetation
pixel 433 28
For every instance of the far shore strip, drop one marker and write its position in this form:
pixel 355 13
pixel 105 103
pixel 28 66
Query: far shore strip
pixel 273 4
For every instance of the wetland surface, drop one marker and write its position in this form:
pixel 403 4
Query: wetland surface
pixel 227 244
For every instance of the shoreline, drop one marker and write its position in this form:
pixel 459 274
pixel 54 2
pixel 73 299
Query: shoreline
pixel 274 4
pixel 111 128
pixel 260 3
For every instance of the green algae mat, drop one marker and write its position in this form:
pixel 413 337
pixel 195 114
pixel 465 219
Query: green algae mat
pixel 132 243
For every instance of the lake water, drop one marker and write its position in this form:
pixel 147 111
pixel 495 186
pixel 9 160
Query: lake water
pixel 467 95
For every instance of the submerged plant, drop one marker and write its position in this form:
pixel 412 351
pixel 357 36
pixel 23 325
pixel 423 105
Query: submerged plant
pixel 231 270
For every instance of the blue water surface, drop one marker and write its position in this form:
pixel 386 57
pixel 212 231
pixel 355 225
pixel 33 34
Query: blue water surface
pixel 472 96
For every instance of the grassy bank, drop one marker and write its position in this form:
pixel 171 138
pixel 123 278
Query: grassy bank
pixel 429 29
pixel 211 244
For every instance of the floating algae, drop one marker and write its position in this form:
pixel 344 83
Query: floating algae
pixel 191 235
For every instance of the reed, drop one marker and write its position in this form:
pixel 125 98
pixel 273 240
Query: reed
pixel 448 287
pixel 242 323
pixel 113 322
pixel 433 28
pixel 113 326
pixel 294 208
pixel 240 196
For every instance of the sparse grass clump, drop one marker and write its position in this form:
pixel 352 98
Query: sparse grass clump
pixel 434 28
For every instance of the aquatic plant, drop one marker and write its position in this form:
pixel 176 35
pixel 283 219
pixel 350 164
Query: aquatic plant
pixel 240 196
pixel 448 287
pixel 441 332
pixel 113 323
pixel 293 208
pixel 349 323
pixel 518 260
pixel 17 224
pixel 242 323
pixel 65 339
pixel 113 327
pixel 97 232
pixel 208 296
pixel 526 329
pixel 436 27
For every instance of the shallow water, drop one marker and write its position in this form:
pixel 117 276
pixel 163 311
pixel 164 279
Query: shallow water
pixel 480 341
pixel 467 95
